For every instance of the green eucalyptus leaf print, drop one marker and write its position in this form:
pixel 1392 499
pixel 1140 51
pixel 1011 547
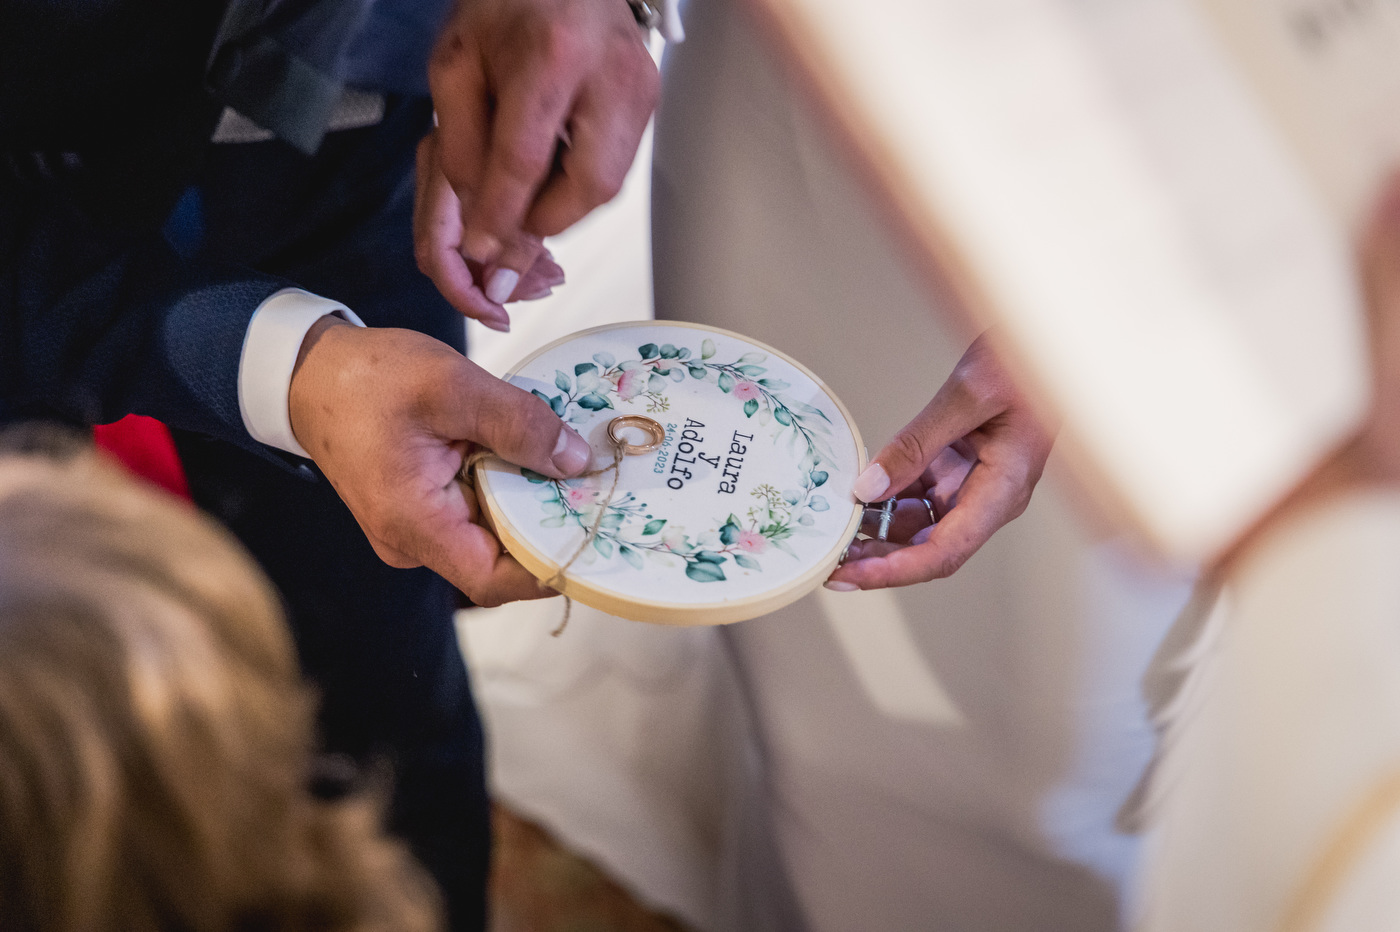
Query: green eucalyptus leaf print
pixel 626 530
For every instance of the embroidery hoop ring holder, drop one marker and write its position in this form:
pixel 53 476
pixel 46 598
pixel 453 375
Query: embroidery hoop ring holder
pixel 721 612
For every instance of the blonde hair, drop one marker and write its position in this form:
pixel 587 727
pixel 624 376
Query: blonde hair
pixel 155 735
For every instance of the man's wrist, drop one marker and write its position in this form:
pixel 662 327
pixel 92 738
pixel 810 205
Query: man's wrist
pixel 313 336
pixel 272 349
pixel 308 378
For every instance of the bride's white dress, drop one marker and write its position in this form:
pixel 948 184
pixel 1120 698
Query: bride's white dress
pixel 948 756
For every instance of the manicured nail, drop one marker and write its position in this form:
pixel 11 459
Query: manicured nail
pixel 501 284
pixel 543 291
pixel 483 247
pixel 838 585
pixel 571 453
pixel 555 277
pixel 871 484
pixel 498 324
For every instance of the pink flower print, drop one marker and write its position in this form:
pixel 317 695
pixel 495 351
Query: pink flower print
pixel 746 391
pixel 577 498
pixel 752 542
pixel 632 383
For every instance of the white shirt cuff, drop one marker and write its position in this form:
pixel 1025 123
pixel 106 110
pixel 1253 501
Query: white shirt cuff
pixel 270 349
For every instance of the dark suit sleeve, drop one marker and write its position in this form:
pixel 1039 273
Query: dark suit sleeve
pixel 101 320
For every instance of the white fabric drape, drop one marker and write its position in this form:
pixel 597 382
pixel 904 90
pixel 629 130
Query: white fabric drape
pixel 948 756
pixel 1275 804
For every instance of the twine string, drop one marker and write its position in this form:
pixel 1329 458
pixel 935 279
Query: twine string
pixel 556 582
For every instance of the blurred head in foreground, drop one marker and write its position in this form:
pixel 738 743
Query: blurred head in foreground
pixel 155 736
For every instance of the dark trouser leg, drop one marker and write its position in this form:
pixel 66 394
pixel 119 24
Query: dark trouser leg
pixel 378 642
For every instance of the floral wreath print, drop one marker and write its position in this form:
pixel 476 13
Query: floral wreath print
pixel 627 529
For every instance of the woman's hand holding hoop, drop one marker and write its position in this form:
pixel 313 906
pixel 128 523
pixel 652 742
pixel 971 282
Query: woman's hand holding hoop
pixel 970 460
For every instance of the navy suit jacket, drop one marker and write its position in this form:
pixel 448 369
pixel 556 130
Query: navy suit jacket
pixel 105 113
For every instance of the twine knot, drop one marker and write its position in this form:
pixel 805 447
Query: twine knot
pixel 556 582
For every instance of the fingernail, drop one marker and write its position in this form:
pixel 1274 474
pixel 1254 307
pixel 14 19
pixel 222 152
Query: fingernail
pixel 543 291
pixel 497 324
pixel 483 247
pixel 555 278
pixel 837 585
pixel 500 285
pixel 871 484
pixel 571 453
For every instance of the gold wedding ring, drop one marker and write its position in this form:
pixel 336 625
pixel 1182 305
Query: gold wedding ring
pixel 646 425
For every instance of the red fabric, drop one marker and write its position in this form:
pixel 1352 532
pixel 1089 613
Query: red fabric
pixel 145 447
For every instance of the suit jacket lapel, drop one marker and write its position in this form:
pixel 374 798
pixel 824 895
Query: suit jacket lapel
pixel 281 63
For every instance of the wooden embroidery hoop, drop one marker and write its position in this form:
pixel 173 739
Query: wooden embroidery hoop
pixel 721 612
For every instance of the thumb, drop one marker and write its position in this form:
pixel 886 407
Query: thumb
pixel 953 413
pixel 514 424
